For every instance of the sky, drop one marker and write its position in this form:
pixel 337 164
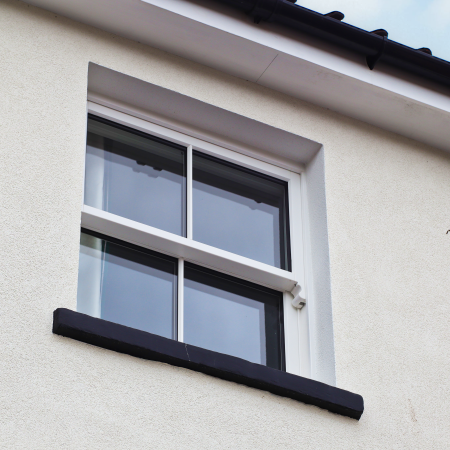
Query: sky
pixel 415 23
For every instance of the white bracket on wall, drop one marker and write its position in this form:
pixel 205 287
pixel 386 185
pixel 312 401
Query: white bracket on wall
pixel 298 301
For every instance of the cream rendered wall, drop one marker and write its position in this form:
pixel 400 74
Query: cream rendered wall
pixel 388 211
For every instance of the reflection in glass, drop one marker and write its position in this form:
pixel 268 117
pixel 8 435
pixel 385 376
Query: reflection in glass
pixel 136 176
pixel 240 211
pixel 231 316
pixel 127 286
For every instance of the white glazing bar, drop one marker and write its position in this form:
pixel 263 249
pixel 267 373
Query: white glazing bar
pixel 180 299
pixel 180 247
pixel 189 193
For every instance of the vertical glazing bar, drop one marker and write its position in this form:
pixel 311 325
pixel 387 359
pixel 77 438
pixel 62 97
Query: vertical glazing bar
pixel 189 193
pixel 180 297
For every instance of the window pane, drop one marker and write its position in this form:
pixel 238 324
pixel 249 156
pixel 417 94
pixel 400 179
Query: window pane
pixel 240 211
pixel 136 176
pixel 127 286
pixel 230 316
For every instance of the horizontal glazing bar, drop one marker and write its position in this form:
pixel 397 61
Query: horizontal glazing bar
pixel 180 247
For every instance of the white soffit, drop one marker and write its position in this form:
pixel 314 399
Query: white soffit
pixel 199 119
pixel 208 33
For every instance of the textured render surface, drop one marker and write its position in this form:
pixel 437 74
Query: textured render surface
pixel 388 211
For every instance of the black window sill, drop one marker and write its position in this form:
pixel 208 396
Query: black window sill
pixel 145 345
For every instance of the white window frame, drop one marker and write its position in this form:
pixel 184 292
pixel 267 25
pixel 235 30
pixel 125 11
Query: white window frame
pixel 297 354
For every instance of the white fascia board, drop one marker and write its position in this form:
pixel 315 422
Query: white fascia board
pixel 303 48
pixel 216 36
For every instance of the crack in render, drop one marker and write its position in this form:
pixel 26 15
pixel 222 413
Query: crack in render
pixel 187 352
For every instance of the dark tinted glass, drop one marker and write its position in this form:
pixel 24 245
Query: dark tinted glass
pixel 136 176
pixel 230 316
pixel 127 286
pixel 240 211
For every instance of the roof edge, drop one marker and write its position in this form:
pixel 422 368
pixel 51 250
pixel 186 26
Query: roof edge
pixel 375 47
